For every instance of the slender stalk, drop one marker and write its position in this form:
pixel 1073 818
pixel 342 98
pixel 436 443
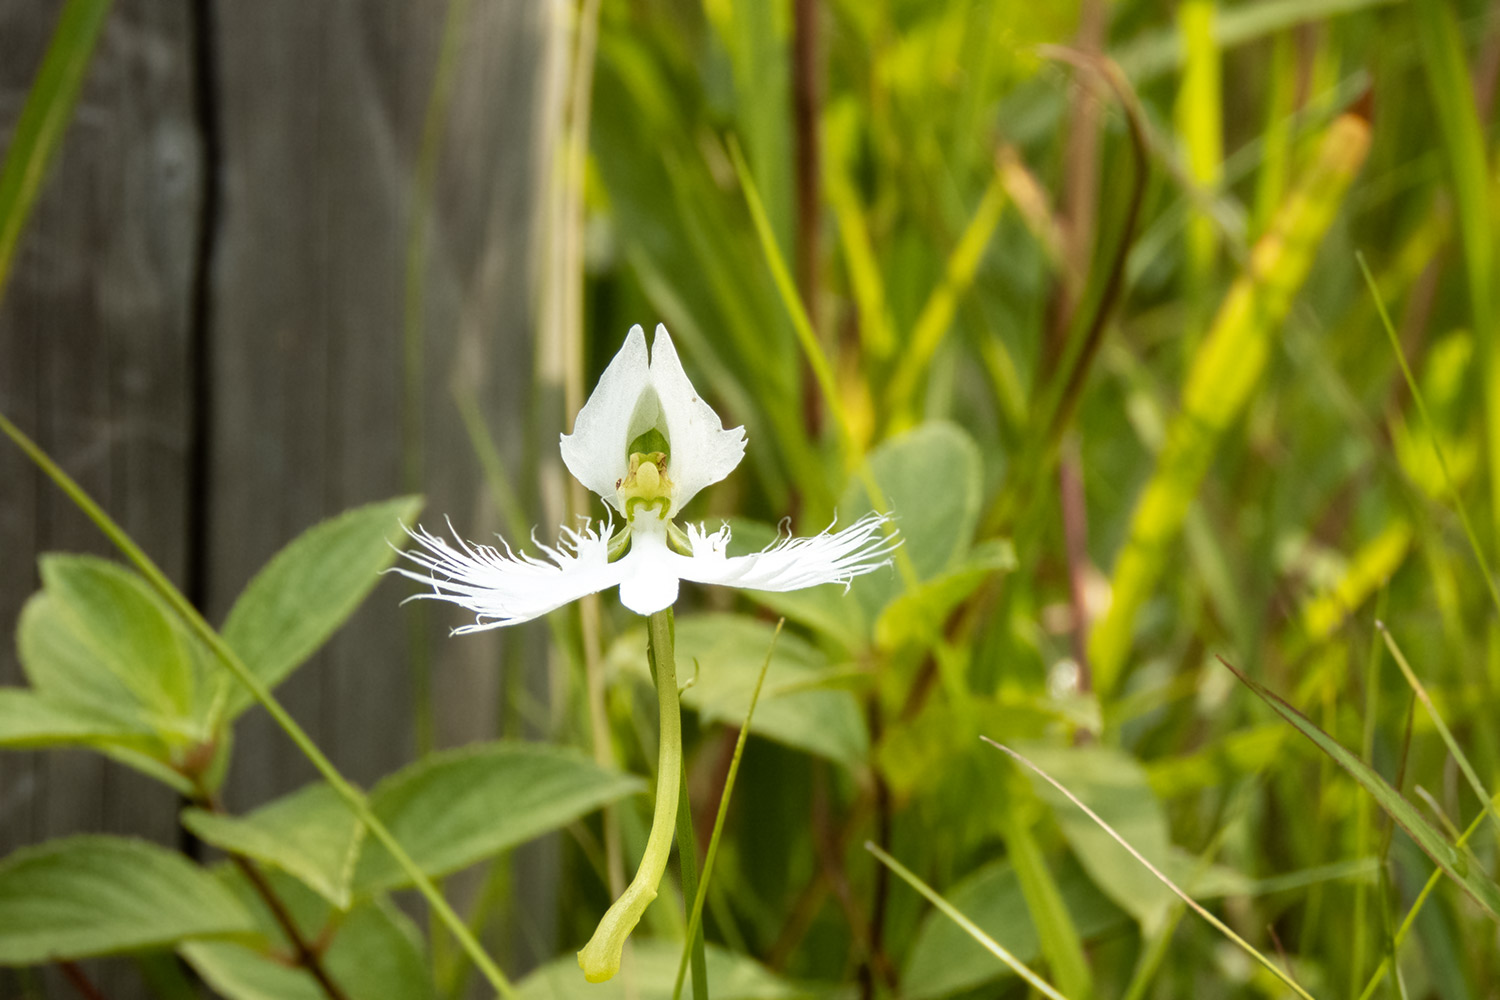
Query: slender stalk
pixel 79 981
pixel 600 958
pixel 699 894
pixel 262 694
pixel 307 955
pixel 692 891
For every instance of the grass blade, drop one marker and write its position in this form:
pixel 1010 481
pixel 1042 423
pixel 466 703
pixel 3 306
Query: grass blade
pixel 1197 907
pixel 44 119
pixel 1056 931
pixel 695 919
pixel 948 910
pixel 1432 432
pixel 1463 132
pixel 1459 757
pixel 1225 371
pixel 817 359
pixel 1445 855
pixel 936 317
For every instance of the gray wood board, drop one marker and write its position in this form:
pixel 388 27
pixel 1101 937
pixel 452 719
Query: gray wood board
pixel 318 109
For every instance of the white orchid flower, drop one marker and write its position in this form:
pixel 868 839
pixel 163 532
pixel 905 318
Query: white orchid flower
pixel 647 444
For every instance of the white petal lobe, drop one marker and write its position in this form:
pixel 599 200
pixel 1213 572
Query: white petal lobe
pixel 595 452
pixel 703 452
pixel 792 563
pixel 507 588
pixel 650 571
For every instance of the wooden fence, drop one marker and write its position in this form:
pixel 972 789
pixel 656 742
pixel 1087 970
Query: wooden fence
pixel 206 326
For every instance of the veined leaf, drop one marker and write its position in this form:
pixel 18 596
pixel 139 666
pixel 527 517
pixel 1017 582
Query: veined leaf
pixel 455 808
pixel 931 478
pixel 309 589
pixel 86 896
pixel 373 952
pixel 30 721
pixel 311 834
pixel 105 619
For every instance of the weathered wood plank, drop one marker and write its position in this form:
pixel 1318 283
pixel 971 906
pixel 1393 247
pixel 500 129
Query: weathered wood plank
pixel 318 112
pixel 95 345
pixel 321 115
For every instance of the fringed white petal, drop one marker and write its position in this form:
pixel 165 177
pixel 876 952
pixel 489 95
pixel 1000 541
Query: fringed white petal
pixel 507 588
pixel 791 563
pixel 703 452
pixel 595 453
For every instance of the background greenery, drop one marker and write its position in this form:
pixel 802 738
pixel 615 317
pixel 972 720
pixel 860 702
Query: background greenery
pixel 1078 291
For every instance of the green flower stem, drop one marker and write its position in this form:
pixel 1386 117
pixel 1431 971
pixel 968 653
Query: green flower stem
pixel 600 958
pixel 232 662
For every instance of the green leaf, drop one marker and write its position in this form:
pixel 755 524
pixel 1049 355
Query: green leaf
pixel 93 895
pixel 114 618
pixel 916 617
pixel 931 478
pixel 651 971
pixel 829 610
pixel 373 951
pixel 311 834
pixel 1059 939
pixel 38 132
pixel 1116 787
pixel 61 667
pixel 945 960
pixel 1457 864
pixel 455 808
pixel 800 705
pixel 30 721
pixel 309 589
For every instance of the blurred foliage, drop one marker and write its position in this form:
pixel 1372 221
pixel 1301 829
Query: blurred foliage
pixel 1076 297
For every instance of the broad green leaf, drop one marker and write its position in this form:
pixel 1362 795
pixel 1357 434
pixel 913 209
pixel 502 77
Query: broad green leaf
pixel 62 667
pixel 829 610
pixel 1225 371
pixel 30 721
pixel 455 808
pixel 93 895
pixel 310 588
pixel 945 960
pixel 801 705
pixel 917 616
pixel 931 478
pixel 651 968
pixel 373 951
pixel 116 618
pixel 1115 786
pixel 310 834
pixel 1457 864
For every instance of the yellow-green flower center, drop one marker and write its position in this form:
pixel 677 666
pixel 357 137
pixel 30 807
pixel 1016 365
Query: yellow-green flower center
pixel 646 485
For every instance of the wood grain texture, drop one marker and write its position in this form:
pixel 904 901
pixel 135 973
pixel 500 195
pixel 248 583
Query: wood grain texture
pixel 95 345
pixel 296 216
pixel 321 114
